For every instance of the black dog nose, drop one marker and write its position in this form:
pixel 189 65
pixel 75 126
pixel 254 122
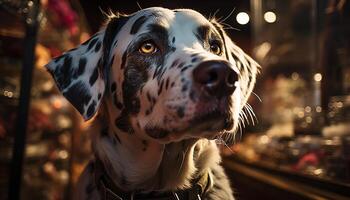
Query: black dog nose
pixel 216 77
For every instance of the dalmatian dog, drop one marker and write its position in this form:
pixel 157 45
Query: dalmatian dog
pixel 160 87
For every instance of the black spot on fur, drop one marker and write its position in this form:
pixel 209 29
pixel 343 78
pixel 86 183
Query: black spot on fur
pixel 138 24
pixel 92 43
pixel 181 65
pixel 176 62
pixel 192 95
pixel 180 112
pixel 173 49
pixel 134 77
pixel 184 88
pixel 173 40
pixel 117 104
pixel 104 131
pixel 113 87
pixel 159 30
pixel 145 145
pixel 194 55
pixel 160 87
pixel 217 187
pixel 64 73
pixel 115 43
pixel 148 95
pixel 91 109
pixel 111 63
pixel 78 94
pixel 123 60
pixel 99 96
pixel 172 84
pixel 98 46
pixel 82 66
pixel 113 27
pixel 122 122
pixel 117 138
pixel 157 133
pixel 194 59
pixel 202 33
pixel 167 83
pixel 185 68
pixel 135 106
pixel 165 119
pixel 153 100
pixel 234 57
pixel 94 76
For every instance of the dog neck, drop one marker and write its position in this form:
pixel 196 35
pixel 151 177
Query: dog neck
pixel 146 165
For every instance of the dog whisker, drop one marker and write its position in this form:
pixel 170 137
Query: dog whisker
pixel 248 112
pixel 214 15
pixel 244 116
pixel 251 112
pixel 257 96
pixel 138 5
pixel 228 16
pixel 228 26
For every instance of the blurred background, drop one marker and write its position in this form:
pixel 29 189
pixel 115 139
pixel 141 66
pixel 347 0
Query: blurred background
pixel 295 146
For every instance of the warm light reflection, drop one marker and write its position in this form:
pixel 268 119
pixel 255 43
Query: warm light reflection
pixel 242 18
pixel 318 109
pixel 270 17
pixel 318 77
pixel 307 109
pixel 295 76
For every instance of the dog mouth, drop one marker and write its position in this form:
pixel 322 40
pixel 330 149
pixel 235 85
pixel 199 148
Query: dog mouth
pixel 213 115
pixel 210 119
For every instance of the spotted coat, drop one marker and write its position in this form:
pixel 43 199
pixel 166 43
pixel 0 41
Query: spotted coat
pixel 154 127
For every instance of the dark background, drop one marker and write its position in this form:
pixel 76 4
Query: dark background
pixel 222 8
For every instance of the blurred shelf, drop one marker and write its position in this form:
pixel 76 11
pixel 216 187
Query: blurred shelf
pixel 279 183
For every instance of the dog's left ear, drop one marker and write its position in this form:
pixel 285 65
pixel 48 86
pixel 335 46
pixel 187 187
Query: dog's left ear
pixel 247 66
pixel 81 74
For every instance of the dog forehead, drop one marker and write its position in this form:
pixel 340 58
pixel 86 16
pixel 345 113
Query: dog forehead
pixel 172 20
pixel 191 17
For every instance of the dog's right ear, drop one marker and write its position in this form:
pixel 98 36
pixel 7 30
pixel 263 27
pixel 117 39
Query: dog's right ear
pixel 81 74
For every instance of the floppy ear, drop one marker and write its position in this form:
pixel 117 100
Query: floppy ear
pixel 248 67
pixel 81 74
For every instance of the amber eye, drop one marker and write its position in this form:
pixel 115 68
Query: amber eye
pixel 148 48
pixel 215 49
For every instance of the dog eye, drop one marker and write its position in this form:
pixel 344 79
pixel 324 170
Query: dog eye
pixel 215 49
pixel 148 47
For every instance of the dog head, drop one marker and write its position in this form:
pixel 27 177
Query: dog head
pixel 164 74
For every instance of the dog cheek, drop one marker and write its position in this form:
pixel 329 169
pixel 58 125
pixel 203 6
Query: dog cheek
pixel 134 79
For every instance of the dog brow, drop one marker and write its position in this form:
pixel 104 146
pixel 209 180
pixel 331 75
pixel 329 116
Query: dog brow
pixel 159 31
pixel 202 33
pixel 137 24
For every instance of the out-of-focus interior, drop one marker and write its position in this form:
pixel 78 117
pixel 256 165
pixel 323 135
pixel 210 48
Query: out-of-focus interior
pixel 294 139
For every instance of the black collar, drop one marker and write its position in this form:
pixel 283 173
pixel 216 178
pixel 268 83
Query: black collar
pixel 109 191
